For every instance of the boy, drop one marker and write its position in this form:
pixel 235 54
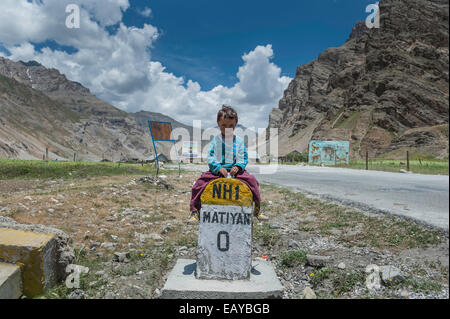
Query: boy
pixel 227 155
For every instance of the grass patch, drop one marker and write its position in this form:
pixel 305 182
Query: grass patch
pixel 293 258
pixel 357 228
pixel 380 232
pixel 305 228
pixel 335 224
pixel 345 282
pixel 188 240
pixel 420 285
pixel 320 276
pixel 341 282
pixel 10 169
pixel 268 236
pixel 397 233
pixel 349 122
pixel 432 167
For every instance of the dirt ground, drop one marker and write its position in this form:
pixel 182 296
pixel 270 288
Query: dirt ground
pixel 145 224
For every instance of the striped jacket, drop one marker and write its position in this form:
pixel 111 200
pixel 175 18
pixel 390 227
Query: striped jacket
pixel 226 156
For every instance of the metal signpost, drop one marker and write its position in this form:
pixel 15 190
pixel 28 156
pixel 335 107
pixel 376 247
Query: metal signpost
pixel 161 132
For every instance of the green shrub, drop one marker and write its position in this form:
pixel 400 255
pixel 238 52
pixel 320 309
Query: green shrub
pixel 293 258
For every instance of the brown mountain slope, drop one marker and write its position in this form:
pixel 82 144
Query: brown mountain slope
pixel 41 108
pixel 31 121
pixel 385 90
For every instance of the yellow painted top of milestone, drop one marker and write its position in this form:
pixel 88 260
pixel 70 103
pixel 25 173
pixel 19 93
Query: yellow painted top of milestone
pixel 227 191
pixel 12 237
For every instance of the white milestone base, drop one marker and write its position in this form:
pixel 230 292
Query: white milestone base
pixel 224 242
pixel 182 284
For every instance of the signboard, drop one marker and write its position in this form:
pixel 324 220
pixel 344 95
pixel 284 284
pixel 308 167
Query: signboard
pixel 161 131
pixel 190 149
pixel 329 152
pixel 225 232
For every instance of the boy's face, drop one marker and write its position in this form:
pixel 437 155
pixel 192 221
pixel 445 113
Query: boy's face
pixel 227 126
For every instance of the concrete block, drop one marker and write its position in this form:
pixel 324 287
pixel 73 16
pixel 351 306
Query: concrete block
pixel 183 284
pixel 35 254
pixel 10 281
pixel 225 232
pixel 64 251
pixel 224 242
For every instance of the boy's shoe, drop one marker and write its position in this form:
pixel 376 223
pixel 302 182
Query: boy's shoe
pixel 195 218
pixel 262 217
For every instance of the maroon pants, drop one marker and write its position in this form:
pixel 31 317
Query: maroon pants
pixel 208 177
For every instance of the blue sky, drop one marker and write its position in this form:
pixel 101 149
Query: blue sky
pixel 204 40
pixel 184 59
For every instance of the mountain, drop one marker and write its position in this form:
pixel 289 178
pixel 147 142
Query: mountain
pixel 385 90
pixel 41 108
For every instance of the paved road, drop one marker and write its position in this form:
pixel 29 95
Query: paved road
pixel 424 198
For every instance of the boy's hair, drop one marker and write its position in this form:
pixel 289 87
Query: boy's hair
pixel 227 112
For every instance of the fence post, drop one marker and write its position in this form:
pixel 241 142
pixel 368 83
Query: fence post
pixel 407 160
pixel 46 155
pixel 367 160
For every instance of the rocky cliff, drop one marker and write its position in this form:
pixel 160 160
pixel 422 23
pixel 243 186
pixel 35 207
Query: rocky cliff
pixel 385 90
pixel 41 108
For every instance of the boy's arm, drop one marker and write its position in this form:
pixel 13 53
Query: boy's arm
pixel 242 157
pixel 213 163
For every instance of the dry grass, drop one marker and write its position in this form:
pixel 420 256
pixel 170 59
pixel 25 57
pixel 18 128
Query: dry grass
pixel 352 227
pixel 92 210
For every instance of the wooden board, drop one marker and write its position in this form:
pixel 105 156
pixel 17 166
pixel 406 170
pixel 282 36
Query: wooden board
pixel 161 131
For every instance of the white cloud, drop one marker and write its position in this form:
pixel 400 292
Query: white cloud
pixel 146 12
pixel 118 67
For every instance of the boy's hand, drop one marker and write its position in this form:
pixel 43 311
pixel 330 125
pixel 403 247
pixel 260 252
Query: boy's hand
pixel 234 171
pixel 223 172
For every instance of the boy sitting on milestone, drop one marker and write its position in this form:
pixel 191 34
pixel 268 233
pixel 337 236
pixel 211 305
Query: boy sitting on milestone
pixel 227 155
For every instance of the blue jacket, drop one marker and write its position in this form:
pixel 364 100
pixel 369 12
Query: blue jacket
pixel 223 156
